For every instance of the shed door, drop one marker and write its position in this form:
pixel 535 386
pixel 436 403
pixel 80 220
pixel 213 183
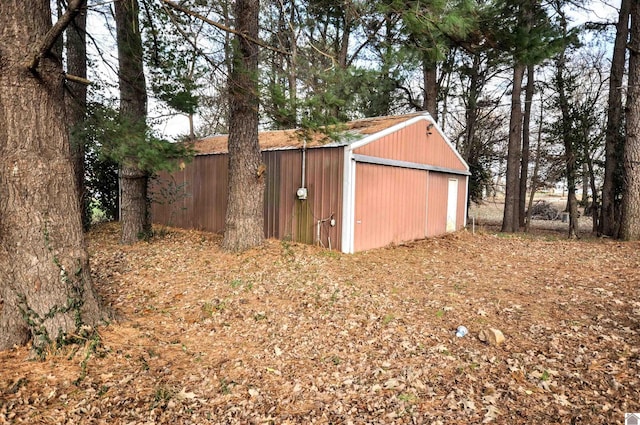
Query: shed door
pixel 390 205
pixel 452 205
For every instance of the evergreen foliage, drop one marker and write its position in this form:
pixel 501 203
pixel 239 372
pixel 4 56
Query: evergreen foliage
pixel 131 143
pixel 174 67
pixel 112 141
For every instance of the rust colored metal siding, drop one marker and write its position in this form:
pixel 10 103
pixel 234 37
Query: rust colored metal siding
pixel 209 190
pixel 390 205
pixel 414 143
pixel 194 198
pixel 171 198
pixel 324 176
pixel 273 223
pixel 286 216
pixel 437 203
pixel 205 185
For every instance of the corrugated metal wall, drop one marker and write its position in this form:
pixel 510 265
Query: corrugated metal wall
pixel 194 198
pixel 171 197
pixel 437 203
pixel 390 205
pixel 210 187
pixel 324 169
pixel 396 205
pixel 413 144
pixel 204 199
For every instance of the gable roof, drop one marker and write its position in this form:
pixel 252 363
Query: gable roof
pixel 338 135
pixel 430 126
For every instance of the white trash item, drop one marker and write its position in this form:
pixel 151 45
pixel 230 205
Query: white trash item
pixel 461 331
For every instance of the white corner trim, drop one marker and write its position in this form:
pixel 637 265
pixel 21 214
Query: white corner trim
pixel 466 202
pixel 348 200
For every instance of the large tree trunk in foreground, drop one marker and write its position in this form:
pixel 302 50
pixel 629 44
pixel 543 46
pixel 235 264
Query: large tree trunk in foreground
pixel 630 225
pixel 511 220
pixel 609 219
pixel 46 293
pixel 134 201
pixel 244 222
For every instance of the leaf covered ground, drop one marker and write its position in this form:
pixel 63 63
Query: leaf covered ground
pixel 294 334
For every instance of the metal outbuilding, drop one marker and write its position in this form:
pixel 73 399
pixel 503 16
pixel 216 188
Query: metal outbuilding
pixel 371 183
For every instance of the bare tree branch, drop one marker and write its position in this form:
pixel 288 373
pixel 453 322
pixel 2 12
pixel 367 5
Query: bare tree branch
pixel 197 49
pixel 49 39
pixel 410 99
pixel 76 79
pixel 224 27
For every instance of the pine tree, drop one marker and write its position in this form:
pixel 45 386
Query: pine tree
pixel 134 201
pixel 525 35
pixel 630 225
pixel 612 184
pixel 244 222
pixel 76 98
pixel 46 290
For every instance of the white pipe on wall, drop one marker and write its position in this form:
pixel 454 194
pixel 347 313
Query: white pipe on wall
pixel 304 161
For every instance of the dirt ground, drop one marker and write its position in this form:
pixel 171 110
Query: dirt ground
pixel 294 334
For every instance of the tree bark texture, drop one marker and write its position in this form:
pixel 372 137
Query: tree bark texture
pixel 76 102
pixel 630 224
pixel 46 292
pixel 430 80
pixel 46 44
pixel 471 113
pixel 609 218
pixel 594 190
pixel 134 200
pixel 534 177
pixel 244 222
pixel 511 220
pixel 526 135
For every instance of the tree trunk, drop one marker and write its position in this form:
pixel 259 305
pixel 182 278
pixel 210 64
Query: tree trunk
pixel 430 79
pixel 630 224
pixel 609 218
pixel 534 177
pixel 134 202
pixel 567 139
pixel 594 192
pixel 292 77
pixel 511 220
pixel 526 132
pixel 471 113
pixel 343 48
pixel 584 200
pixel 76 102
pixel 46 292
pixel 572 203
pixel 244 221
